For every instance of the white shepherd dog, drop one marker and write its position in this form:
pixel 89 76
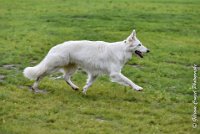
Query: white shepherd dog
pixel 95 57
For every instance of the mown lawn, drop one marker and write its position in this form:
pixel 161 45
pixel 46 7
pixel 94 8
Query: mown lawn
pixel 170 28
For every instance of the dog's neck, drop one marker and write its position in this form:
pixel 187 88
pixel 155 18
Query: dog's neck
pixel 122 52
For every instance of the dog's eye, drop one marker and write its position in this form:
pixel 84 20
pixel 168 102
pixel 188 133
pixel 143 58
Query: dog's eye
pixel 139 45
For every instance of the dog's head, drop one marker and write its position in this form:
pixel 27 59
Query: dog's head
pixel 135 46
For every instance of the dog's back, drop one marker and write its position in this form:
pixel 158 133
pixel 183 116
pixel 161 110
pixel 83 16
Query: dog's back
pixel 90 55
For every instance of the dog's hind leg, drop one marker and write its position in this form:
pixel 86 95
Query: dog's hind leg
pixel 68 72
pixel 90 80
pixel 35 86
pixel 39 78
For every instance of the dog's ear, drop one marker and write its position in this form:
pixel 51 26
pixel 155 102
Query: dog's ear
pixel 132 36
pixel 134 32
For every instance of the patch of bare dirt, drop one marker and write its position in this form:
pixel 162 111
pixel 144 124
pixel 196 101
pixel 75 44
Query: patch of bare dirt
pixel 2 77
pixel 9 66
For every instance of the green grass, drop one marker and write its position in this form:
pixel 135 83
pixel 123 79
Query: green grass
pixel 170 28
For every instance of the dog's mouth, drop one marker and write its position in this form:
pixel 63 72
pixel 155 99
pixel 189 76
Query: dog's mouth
pixel 139 53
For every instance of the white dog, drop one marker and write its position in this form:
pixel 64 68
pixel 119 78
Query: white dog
pixel 95 57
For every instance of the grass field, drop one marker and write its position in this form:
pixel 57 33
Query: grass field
pixel 170 28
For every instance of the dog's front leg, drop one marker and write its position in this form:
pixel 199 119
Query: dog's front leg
pixel 90 80
pixel 121 79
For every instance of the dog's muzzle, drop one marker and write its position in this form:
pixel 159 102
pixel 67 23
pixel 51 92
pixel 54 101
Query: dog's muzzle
pixel 139 53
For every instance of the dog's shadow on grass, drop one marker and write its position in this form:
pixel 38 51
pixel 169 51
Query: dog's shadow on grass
pixel 110 97
pixel 127 96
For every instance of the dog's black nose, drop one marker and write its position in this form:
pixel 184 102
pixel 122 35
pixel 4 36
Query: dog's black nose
pixel 148 51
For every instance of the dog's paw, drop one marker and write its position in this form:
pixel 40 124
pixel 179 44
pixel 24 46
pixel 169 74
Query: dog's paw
pixel 84 92
pixel 85 88
pixel 38 91
pixel 75 88
pixel 138 88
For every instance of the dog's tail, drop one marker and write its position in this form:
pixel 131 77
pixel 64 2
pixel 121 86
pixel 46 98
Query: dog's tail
pixel 33 73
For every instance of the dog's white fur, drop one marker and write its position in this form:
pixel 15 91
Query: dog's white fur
pixel 95 57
